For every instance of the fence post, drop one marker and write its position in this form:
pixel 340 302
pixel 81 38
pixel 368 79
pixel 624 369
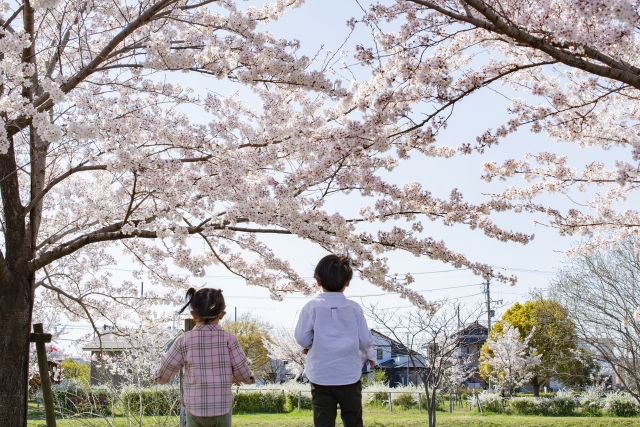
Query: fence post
pixel 299 399
pixel 479 404
pixel 40 338
pixel 450 402
pixel 419 401
pixel 188 325
pixel 390 403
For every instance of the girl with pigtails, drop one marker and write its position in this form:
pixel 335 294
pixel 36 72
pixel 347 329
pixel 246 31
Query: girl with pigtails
pixel 212 360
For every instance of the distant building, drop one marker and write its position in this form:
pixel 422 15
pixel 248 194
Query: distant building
pixel 471 339
pixel 391 356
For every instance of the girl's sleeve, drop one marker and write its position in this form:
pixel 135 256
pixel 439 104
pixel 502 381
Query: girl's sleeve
pixel 239 365
pixel 171 362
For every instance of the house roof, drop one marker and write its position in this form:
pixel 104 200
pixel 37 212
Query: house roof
pixel 396 346
pixel 391 364
pixel 474 333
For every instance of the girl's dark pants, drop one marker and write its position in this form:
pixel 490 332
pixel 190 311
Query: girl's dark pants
pixel 326 398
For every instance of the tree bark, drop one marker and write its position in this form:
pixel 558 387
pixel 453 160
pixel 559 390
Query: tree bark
pixel 16 298
pixel 15 318
pixel 535 382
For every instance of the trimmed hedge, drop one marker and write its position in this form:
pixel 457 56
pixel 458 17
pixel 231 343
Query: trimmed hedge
pixel 271 402
pixel 291 403
pixel 159 400
pixel 405 401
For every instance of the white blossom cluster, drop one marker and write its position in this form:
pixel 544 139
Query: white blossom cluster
pixel 565 53
pixel 511 362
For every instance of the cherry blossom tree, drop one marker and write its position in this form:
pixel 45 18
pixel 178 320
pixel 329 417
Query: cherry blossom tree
pixel 283 347
pixel 430 341
pixel 575 63
pixel 98 153
pixel 506 359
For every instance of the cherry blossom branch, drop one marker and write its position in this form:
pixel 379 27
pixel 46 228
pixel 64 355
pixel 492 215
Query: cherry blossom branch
pixel 80 168
pixel 496 24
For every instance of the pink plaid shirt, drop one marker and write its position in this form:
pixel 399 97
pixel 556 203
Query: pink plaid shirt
pixel 212 360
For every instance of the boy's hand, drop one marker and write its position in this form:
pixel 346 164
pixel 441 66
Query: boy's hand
pixel 371 363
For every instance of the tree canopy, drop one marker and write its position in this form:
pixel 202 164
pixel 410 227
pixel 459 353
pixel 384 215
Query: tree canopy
pixel 98 153
pixel 251 332
pixel 553 337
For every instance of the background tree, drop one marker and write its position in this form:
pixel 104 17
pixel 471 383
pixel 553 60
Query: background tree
pixel 602 295
pixel 251 332
pixel 553 336
pixel 282 347
pixel 507 359
pixel 429 339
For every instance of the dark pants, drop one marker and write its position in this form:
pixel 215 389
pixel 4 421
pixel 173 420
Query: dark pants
pixel 326 398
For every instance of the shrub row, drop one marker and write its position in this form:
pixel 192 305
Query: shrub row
pixel 619 404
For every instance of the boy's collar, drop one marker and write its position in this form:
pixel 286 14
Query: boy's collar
pixel 324 294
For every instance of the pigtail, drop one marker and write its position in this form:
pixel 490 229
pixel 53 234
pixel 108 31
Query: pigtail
pixel 188 298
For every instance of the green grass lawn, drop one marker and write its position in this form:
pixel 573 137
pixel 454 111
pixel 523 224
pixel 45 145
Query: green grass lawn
pixel 372 418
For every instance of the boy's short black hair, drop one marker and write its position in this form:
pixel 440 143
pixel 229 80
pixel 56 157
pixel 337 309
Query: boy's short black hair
pixel 333 272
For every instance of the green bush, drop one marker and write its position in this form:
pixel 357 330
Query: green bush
pixel 72 396
pixel 563 404
pixel 621 405
pixel 532 405
pixel 291 403
pixel 270 402
pixel 405 401
pixel 158 400
pixel 377 398
pixel 491 402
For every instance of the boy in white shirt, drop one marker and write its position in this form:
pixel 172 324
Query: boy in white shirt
pixel 334 333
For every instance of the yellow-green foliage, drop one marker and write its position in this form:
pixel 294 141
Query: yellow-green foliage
pixel 77 371
pixel 250 330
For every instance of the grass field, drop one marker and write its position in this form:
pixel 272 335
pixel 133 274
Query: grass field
pixel 372 418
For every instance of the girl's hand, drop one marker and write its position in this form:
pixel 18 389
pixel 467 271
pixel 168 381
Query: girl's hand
pixel 252 380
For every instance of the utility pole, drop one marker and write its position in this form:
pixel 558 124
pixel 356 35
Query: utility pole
pixel 408 350
pixel 488 306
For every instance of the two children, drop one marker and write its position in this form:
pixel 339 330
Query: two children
pixel 331 329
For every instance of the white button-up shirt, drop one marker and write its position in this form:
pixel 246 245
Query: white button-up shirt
pixel 335 331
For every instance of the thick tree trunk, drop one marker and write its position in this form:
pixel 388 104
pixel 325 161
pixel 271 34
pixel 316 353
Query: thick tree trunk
pixel 15 320
pixel 535 383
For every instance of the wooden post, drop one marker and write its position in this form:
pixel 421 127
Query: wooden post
pixel 40 338
pixel 188 325
pixel 419 401
pixel 299 399
pixel 390 403
pixel 450 403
